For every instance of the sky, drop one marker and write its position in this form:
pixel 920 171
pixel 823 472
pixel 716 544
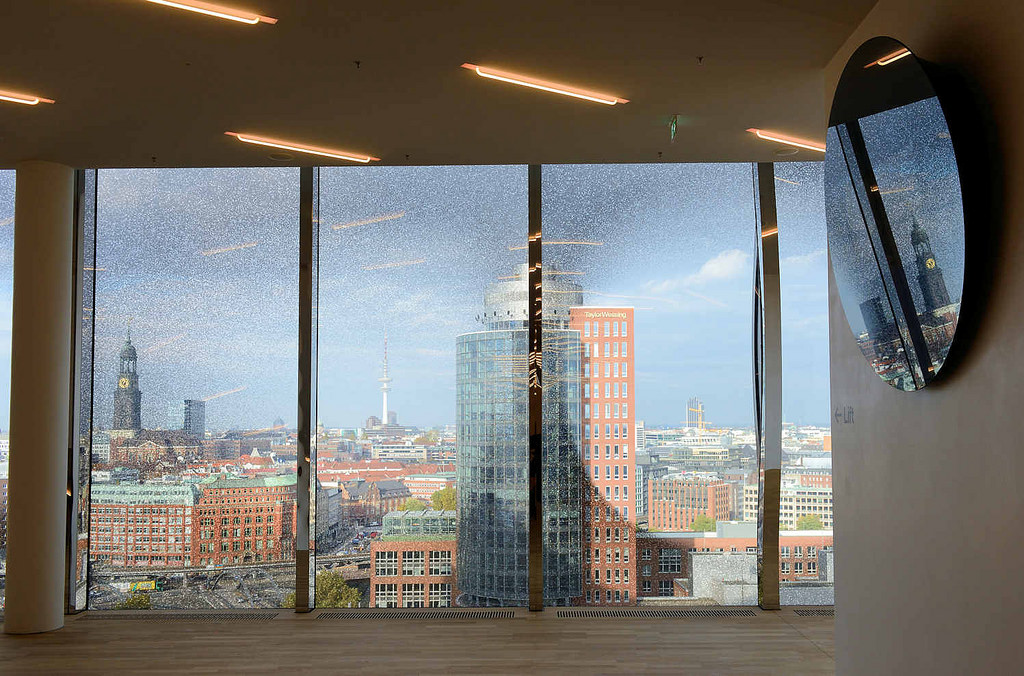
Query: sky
pixel 203 263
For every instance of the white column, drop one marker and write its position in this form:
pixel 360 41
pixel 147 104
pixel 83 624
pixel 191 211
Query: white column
pixel 40 382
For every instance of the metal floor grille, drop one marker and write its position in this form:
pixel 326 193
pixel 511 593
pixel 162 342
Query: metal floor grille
pixel 419 615
pixel 815 612
pixel 678 612
pixel 181 617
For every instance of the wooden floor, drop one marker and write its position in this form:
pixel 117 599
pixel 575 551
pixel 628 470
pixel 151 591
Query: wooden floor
pixel 778 642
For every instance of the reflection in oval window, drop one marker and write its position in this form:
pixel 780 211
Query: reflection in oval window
pixel 895 214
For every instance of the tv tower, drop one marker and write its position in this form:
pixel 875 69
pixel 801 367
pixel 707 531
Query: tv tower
pixel 385 382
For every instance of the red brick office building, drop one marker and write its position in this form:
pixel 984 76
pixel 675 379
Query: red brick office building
pixel 244 520
pixel 676 500
pixel 608 454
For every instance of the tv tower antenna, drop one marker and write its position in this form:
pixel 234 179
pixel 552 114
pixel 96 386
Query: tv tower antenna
pixel 385 382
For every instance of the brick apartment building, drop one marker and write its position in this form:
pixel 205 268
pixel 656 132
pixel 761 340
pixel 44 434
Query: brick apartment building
pixel 674 501
pixel 371 500
pixel 144 525
pixel 244 520
pixel 413 564
pixel 609 513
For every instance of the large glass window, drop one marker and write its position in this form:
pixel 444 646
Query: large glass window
pixel 6 308
pixel 193 495
pixel 649 266
pixel 805 510
pixel 422 380
pixel 420 335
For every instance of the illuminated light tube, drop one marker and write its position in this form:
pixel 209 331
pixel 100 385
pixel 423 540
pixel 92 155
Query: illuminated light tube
pixel 310 150
pixel 219 11
pixel 26 99
pixel 769 233
pixel 544 85
pixel 789 141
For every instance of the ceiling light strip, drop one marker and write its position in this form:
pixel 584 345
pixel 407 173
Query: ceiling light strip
pixel 26 99
pixel 544 85
pixel 219 11
pixel 310 150
pixel 788 140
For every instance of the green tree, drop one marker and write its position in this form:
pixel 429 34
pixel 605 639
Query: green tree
pixel 443 499
pixel 809 522
pixel 136 601
pixel 331 592
pixel 703 523
pixel 429 438
pixel 413 505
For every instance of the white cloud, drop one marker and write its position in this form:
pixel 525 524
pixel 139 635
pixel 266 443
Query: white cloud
pixel 727 265
pixel 803 259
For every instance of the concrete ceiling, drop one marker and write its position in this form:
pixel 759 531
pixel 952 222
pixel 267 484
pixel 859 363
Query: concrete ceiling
pixel 139 84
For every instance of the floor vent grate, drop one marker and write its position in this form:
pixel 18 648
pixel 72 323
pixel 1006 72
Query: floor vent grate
pixel 182 617
pixel 815 612
pixel 679 612
pixel 418 615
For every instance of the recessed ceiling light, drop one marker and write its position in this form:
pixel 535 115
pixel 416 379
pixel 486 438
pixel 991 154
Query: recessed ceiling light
pixel 309 150
pixel 544 85
pixel 219 11
pixel 26 99
pixel 281 157
pixel 785 152
pixel 788 140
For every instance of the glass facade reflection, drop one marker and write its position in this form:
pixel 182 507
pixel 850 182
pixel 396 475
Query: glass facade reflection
pixel 895 216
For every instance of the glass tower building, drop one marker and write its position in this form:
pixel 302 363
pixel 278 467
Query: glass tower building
pixel 493 449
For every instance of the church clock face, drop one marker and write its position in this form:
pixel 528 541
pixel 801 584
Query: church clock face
pixel 123 383
pixel 930 263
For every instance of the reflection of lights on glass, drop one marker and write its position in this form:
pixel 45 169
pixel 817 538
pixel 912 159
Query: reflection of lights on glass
pixel 218 11
pixel 397 264
pixel 224 394
pixel 550 242
pixel 369 221
pixel 786 180
pixel 553 87
pixel 769 233
pixel 788 140
pixel 26 99
pixel 886 60
pixel 894 191
pixel 309 150
pixel 225 249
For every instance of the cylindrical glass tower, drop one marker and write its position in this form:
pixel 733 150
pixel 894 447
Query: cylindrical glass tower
pixel 493 450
